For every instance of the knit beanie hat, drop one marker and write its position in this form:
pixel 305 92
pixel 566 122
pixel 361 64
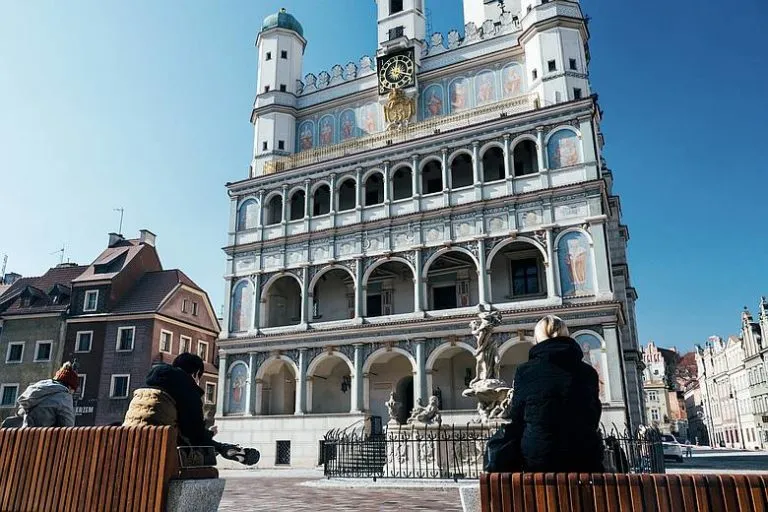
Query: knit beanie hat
pixel 67 376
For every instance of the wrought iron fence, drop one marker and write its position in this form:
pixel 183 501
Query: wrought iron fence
pixel 456 452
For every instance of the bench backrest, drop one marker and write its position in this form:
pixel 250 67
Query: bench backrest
pixel 538 492
pixel 86 468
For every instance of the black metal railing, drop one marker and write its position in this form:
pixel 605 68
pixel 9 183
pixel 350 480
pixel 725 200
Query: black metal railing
pixel 456 452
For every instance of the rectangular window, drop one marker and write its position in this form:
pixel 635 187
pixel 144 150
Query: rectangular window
pixel 125 338
pixel 525 277
pixel 166 342
pixel 267 88
pixel 264 146
pixel 551 65
pixel 8 395
pixel 281 145
pixel 572 64
pixel 185 344
pixel 195 304
pixel 83 341
pixel 284 54
pixel 283 88
pixel 119 386
pixel 576 93
pixel 202 350
pixel 373 305
pixel 210 393
pixel 535 74
pixel 43 351
pixel 184 306
pixel 655 415
pixel 269 56
pixel 395 6
pixel 283 453
pixel 91 300
pixel 396 32
pixel 81 378
pixel 444 297
pixel 15 352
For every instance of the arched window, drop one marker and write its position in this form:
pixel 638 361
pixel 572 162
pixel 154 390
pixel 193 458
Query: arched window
pixel 402 183
pixel 347 199
pixel 432 177
pixel 242 304
pixel 322 201
pixel 493 164
pixel 374 190
pixel 298 200
pixel 274 213
pixel 525 159
pixel 461 171
pixel 247 215
pixel 563 149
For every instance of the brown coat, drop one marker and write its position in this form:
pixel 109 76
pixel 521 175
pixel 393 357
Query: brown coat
pixel 151 406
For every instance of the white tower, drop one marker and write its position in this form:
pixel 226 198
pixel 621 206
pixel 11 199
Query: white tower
pixel 401 23
pixel 556 52
pixel 281 46
pixel 477 11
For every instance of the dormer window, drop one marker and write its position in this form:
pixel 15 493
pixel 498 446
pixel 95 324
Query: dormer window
pixel 25 301
pixel 395 6
pixel 91 300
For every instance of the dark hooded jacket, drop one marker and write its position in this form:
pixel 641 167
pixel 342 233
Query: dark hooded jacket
pixel 555 412
pixel 189 402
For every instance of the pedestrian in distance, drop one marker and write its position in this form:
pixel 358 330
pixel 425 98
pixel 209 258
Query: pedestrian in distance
pixel 554 384
pixel 173 397
pixel 49 402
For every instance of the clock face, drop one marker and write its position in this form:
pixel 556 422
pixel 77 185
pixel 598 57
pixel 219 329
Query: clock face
pixel 396 72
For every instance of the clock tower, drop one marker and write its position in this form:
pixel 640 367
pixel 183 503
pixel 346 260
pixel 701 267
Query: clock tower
pixel 401 24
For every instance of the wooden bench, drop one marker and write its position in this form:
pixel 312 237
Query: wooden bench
pixel 538 492
pixel 88 468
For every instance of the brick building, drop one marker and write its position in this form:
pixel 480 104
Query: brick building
pixel 127 313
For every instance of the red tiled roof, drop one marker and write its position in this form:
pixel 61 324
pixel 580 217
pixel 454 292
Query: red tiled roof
pixel 58 275
pixel 148 293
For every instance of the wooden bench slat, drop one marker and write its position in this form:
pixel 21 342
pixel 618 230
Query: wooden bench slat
pixel 763 495
pixel 563 493
pixel 550 483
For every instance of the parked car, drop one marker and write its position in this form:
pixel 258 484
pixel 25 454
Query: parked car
pixel 672 449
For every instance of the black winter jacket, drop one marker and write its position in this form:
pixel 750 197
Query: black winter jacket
pixel 189 402
pixel 555 412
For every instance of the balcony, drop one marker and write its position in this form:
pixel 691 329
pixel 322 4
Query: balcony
pixel 504 108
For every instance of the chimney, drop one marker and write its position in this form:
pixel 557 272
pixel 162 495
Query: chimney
pixel 147 237
pixel 114 239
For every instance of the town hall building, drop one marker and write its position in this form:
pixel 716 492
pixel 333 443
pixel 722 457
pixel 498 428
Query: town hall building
pixel 391 199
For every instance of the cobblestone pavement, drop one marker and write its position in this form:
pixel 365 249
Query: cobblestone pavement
pixel 290 494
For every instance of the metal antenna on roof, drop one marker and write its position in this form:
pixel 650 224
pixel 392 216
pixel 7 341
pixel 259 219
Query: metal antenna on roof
pixel 2 269
pixel 122 211
pixel 60 252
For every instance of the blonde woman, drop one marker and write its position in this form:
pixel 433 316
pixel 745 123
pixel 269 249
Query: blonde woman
pixel 555 410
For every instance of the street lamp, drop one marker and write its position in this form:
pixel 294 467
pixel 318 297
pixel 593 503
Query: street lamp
pixel 738 416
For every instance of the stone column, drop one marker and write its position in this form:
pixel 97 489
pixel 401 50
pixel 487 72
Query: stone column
pixel 541 155
pixel 357 404
pixel 415 182
pixel 256 302
pixel 285 204
pixel 551 265
pixel 258 395
pixel 333 199
pixel 509 171
pixel 616 384
pixel 260 216
pixel 305 295
pixel 359 288
pixel 387 184
pixel 482 273
pixel 249 387
pixel 359 193
pixel 601 269
pixel 420 376
pixel 220 406
pixel 446 175
pixel 418 307
pixel 227 300
pixel 301 384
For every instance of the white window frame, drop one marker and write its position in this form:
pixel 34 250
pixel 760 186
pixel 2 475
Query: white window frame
pixel 112 386
pixel 81 388
pixel 8 352
pixel 170 343
pixel 50 352
pixel 133 338
pixel 2 392
pixel 182 338
pixel 184 303
pixel 88 293
pixel 205 396
pixel 195 308
pixel 77 342
pixel 201 342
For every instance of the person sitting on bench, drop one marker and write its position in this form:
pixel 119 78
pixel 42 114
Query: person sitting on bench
pixel 173 397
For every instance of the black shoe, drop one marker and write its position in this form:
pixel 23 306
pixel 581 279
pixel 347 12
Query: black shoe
pixel 247 456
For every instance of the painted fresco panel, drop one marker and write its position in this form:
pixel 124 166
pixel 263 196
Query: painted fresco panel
pixel 242 303
pixel 563 149
pixel 593 356
pixel 238 380
pixel 575 264
pixel 247 215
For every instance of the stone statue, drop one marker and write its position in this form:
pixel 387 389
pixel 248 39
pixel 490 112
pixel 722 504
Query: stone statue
pixel 504 409
pixel 392 406
pixel 426 415
pixel 486 353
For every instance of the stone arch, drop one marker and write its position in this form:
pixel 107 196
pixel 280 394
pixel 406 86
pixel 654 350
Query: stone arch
pixel 448 368
pixel 517 270
pixel 276 277
pixel 492 152
pixel 524 151
pixel 373 188
pixel 346 196
pixel 444 251
pixel 283 308
pixel 273 211
pixel 321 205
pixel 328 268
pixel 274 394
pixel 556 129
pixel 461 168
pixel 440 350
pixel 331 296
pixel 455 285
pixel 381 261
pixel 572 229
pixel 433 176
pixel 513 353
pixel 369 361
pixel 509 241
pixel 395 371
pixel 324 393
pixel 312 366
pixel 488 145
pixel 297 201
pixel 461 151
pixel 401 182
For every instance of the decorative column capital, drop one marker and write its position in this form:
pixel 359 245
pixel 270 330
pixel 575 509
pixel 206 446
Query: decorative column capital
pixel 285 187
pixel 540 129
pixel 475 144
pixel 507 137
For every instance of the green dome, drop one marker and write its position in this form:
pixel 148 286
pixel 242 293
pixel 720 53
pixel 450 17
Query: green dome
pixel 282 20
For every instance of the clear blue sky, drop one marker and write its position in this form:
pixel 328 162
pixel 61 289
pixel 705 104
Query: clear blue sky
pixel 145 105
